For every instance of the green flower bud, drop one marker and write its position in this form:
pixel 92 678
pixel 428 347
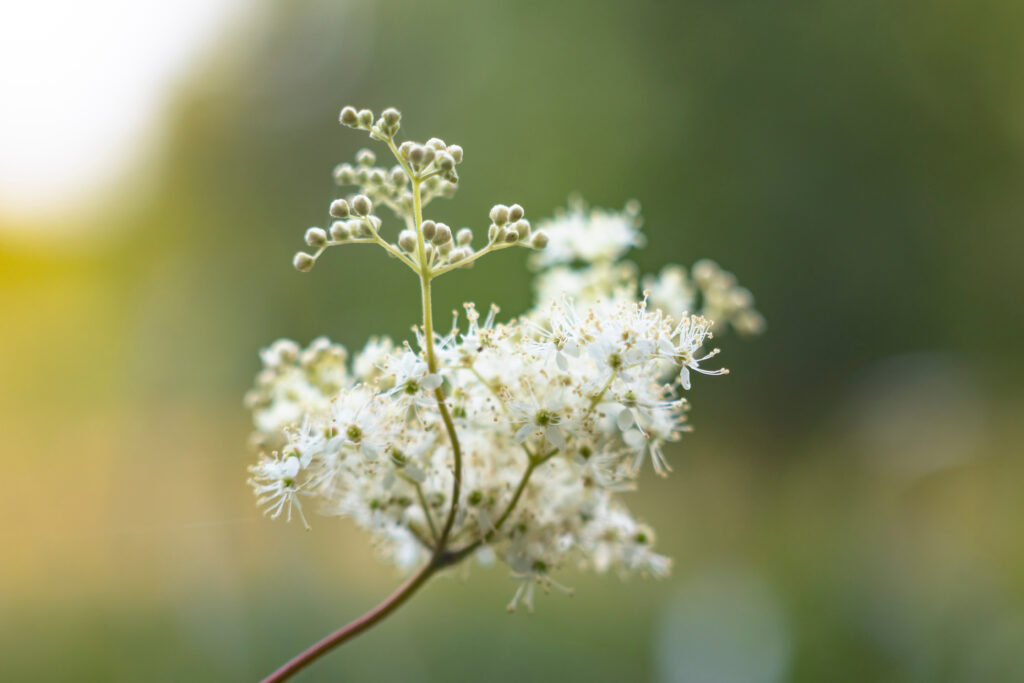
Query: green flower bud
pixel 316 237
pixel 515 212
pixel 464 236
pixel 522 228
pixel 443 235
pixel 359 228
pixel 456 153
pixel 339 208
pixel 344 174
pixel 397 176
pixel 429 229
pixel 349 117
pixel 407 240
pixel 361 205
pixel 365 118
pixel 303 262
pixel 339 231
pixel 540 240
pixel 499 214
pixel 365 157
pixel 391 116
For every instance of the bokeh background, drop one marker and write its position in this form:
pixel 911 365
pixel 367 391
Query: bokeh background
pixel 849 507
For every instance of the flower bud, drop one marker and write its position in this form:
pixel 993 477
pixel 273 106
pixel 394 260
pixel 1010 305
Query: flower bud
pixel 359 228
pixel 365 157
pixel 339 231
pixel 443 234
pixel 405 148
pixel 515 212
pixel 361 205
pixel 511 237
pixel 344 174
pixel 464 236
pixel 445 162
pixel 437 144
pixel 397 176
pixel 429 229
pixel 740 297
pixel 457 255
pixel 521 228
pixel 704 271
pixel 391 116
pixel 456 152
pixel 316 237
pixel 284 351
pixel 540 240
pixel 428 155
pixel 377 177
pixel 365 118
pixel 492 232
pixel 417 153
pixel 339 208
pixel 407 240
pixel 349 117
pixel 499 214
pixel 303 262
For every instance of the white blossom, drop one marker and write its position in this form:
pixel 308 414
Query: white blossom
pixel 555 413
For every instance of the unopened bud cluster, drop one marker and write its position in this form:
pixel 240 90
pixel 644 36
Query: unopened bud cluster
pixel 507 440
pixel 422 172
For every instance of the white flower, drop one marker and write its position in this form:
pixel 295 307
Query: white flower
pixel 540 418
pixel 689 337
pixel 275 481
pixel 411 375
pixel 591 236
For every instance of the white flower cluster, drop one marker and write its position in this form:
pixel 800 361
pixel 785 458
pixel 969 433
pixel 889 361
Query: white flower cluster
pixel 584 261
pixel 507 440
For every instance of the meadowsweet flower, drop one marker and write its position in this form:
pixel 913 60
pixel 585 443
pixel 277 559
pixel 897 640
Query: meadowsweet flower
pixel 689 337
pixel 589 235
pixel 510 441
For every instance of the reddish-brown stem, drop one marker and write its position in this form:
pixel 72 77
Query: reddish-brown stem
pixel 354 628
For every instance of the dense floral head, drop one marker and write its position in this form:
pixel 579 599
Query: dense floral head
pixel 513 440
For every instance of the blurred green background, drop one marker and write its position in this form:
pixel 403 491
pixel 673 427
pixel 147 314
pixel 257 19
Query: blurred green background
pixel 848 508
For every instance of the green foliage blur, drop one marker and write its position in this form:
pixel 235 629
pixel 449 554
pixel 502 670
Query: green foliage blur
pixel 848 507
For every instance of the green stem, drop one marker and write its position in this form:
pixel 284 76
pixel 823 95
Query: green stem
pixel 426 512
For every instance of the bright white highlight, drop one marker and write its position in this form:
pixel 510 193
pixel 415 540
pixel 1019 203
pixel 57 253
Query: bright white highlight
pixel 83 87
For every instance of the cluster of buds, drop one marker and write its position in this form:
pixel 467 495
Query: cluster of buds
pixel 356 223
pixel 724 299
pixel 423 172
pixel 432 163
pixel 509 227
